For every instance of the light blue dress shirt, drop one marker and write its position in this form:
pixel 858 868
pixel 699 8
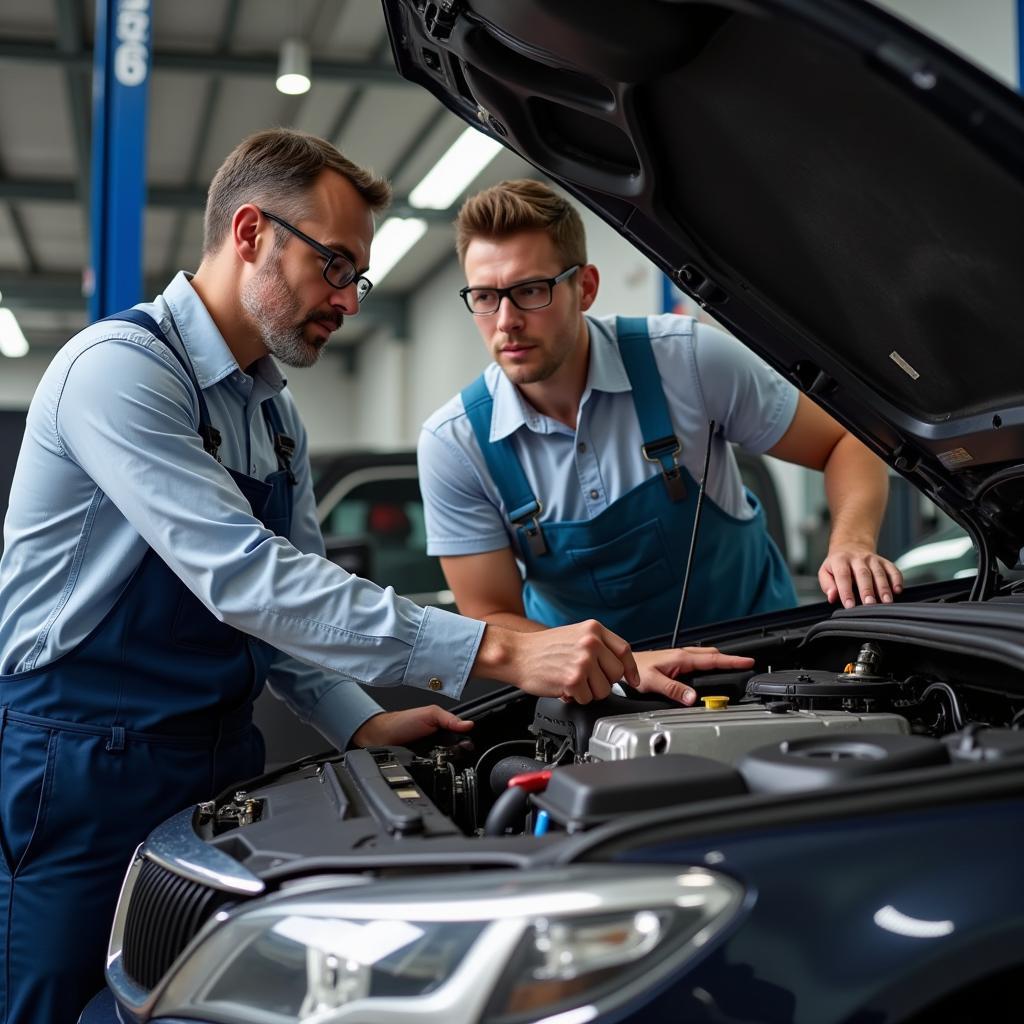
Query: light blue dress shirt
pixel 575 475
pixel 111 464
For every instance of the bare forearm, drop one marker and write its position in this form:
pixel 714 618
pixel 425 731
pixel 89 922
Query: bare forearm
pixel 513 620
pixel 857 489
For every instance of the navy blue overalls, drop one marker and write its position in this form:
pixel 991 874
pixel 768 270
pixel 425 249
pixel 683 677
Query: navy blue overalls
pixel 625 566
pixel 152 711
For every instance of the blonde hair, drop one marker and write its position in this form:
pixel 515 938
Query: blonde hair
pixel 522 205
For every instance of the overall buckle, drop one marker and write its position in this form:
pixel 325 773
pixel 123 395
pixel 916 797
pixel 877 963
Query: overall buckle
pixel 284 449
pixel 530 525
pixel 211 439
pixel 665 451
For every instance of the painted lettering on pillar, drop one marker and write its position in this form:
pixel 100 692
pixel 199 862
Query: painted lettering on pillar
pixel 131 58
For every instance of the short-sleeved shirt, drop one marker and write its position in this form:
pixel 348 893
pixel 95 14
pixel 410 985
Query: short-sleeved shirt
pixel 706 375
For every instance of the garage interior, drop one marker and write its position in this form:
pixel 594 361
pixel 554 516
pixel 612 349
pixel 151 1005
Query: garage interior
pixel 219 70
pixel 214 71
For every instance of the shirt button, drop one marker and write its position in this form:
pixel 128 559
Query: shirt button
pixel 435 683
pixel 581 447
pixel 595 495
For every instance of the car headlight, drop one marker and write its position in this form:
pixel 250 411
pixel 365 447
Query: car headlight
pixel 494 948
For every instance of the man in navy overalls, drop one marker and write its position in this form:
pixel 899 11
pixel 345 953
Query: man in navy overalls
pixel 162 558
pixel 561 483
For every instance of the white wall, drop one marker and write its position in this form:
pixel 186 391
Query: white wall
pixel 445 351
pixel 328 400
pixel 379 392
pixel 983 31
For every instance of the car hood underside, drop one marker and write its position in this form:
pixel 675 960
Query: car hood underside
pixel 841 192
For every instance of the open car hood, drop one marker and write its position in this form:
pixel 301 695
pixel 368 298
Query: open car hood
pixel 841 192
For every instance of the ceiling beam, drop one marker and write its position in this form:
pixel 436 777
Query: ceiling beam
pixel 21 233
pixel 355 98
pixel 419 139
pixel 258 65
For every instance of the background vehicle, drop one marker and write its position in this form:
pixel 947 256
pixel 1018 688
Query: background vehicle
pixel 371 515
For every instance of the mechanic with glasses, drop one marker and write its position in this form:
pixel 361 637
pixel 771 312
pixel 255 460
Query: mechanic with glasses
pixel 163 559
pixel 562 482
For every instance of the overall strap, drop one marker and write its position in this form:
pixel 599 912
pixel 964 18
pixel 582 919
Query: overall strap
pixel 660 443
pixel 523 507
pixel 208 432
pixel 284 446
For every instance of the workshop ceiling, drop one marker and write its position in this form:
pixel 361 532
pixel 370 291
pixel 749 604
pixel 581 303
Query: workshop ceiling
pixel 212 83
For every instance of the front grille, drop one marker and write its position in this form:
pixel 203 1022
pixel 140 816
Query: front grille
pixel 165 913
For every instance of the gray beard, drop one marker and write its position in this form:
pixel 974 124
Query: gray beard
pixel 272 309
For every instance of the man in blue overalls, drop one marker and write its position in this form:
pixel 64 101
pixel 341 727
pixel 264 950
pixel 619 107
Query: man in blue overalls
pixel 561 483
pixel 163 558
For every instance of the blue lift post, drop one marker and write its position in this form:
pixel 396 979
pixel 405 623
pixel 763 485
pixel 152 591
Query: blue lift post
pixel 1020 45
pixel 121 65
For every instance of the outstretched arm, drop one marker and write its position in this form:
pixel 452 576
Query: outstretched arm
pixel 489 587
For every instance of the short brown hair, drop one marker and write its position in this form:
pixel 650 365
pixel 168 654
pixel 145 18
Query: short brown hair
pixel 277 168
pixel 522 205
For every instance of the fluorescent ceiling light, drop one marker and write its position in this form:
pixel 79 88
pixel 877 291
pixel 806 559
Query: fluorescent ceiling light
pixel 397 235
pixel 12 341
pixel 471 152
pixel 293 74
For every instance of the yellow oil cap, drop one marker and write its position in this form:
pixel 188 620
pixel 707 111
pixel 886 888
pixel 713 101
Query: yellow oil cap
pixel 715 703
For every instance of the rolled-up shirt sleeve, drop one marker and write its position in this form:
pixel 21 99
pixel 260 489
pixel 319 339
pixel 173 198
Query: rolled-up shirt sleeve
pixel 127 415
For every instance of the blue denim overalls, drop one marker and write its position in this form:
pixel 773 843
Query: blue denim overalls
pixel 151 712
pixel 625 566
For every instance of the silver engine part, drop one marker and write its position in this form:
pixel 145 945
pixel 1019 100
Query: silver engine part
pixel 725 734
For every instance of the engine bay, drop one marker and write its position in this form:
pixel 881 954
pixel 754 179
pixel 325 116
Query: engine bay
pixel 842 701
pixel 877 705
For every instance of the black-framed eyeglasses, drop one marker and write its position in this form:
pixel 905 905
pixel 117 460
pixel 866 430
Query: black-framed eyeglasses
pixel 528 295
pixel 339 271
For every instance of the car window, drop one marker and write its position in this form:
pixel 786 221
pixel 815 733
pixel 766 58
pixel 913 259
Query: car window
pixel 943 551
pixel 387 514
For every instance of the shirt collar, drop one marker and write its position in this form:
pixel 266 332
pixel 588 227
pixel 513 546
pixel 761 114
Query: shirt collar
pixel 207 350
pixel 605 373
pixel 511 411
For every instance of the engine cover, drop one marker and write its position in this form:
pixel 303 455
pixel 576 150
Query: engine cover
pixel 725 734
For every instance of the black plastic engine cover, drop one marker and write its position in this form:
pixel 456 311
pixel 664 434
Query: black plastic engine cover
pixel 814 762
pixel 580 796
pixel 985 744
